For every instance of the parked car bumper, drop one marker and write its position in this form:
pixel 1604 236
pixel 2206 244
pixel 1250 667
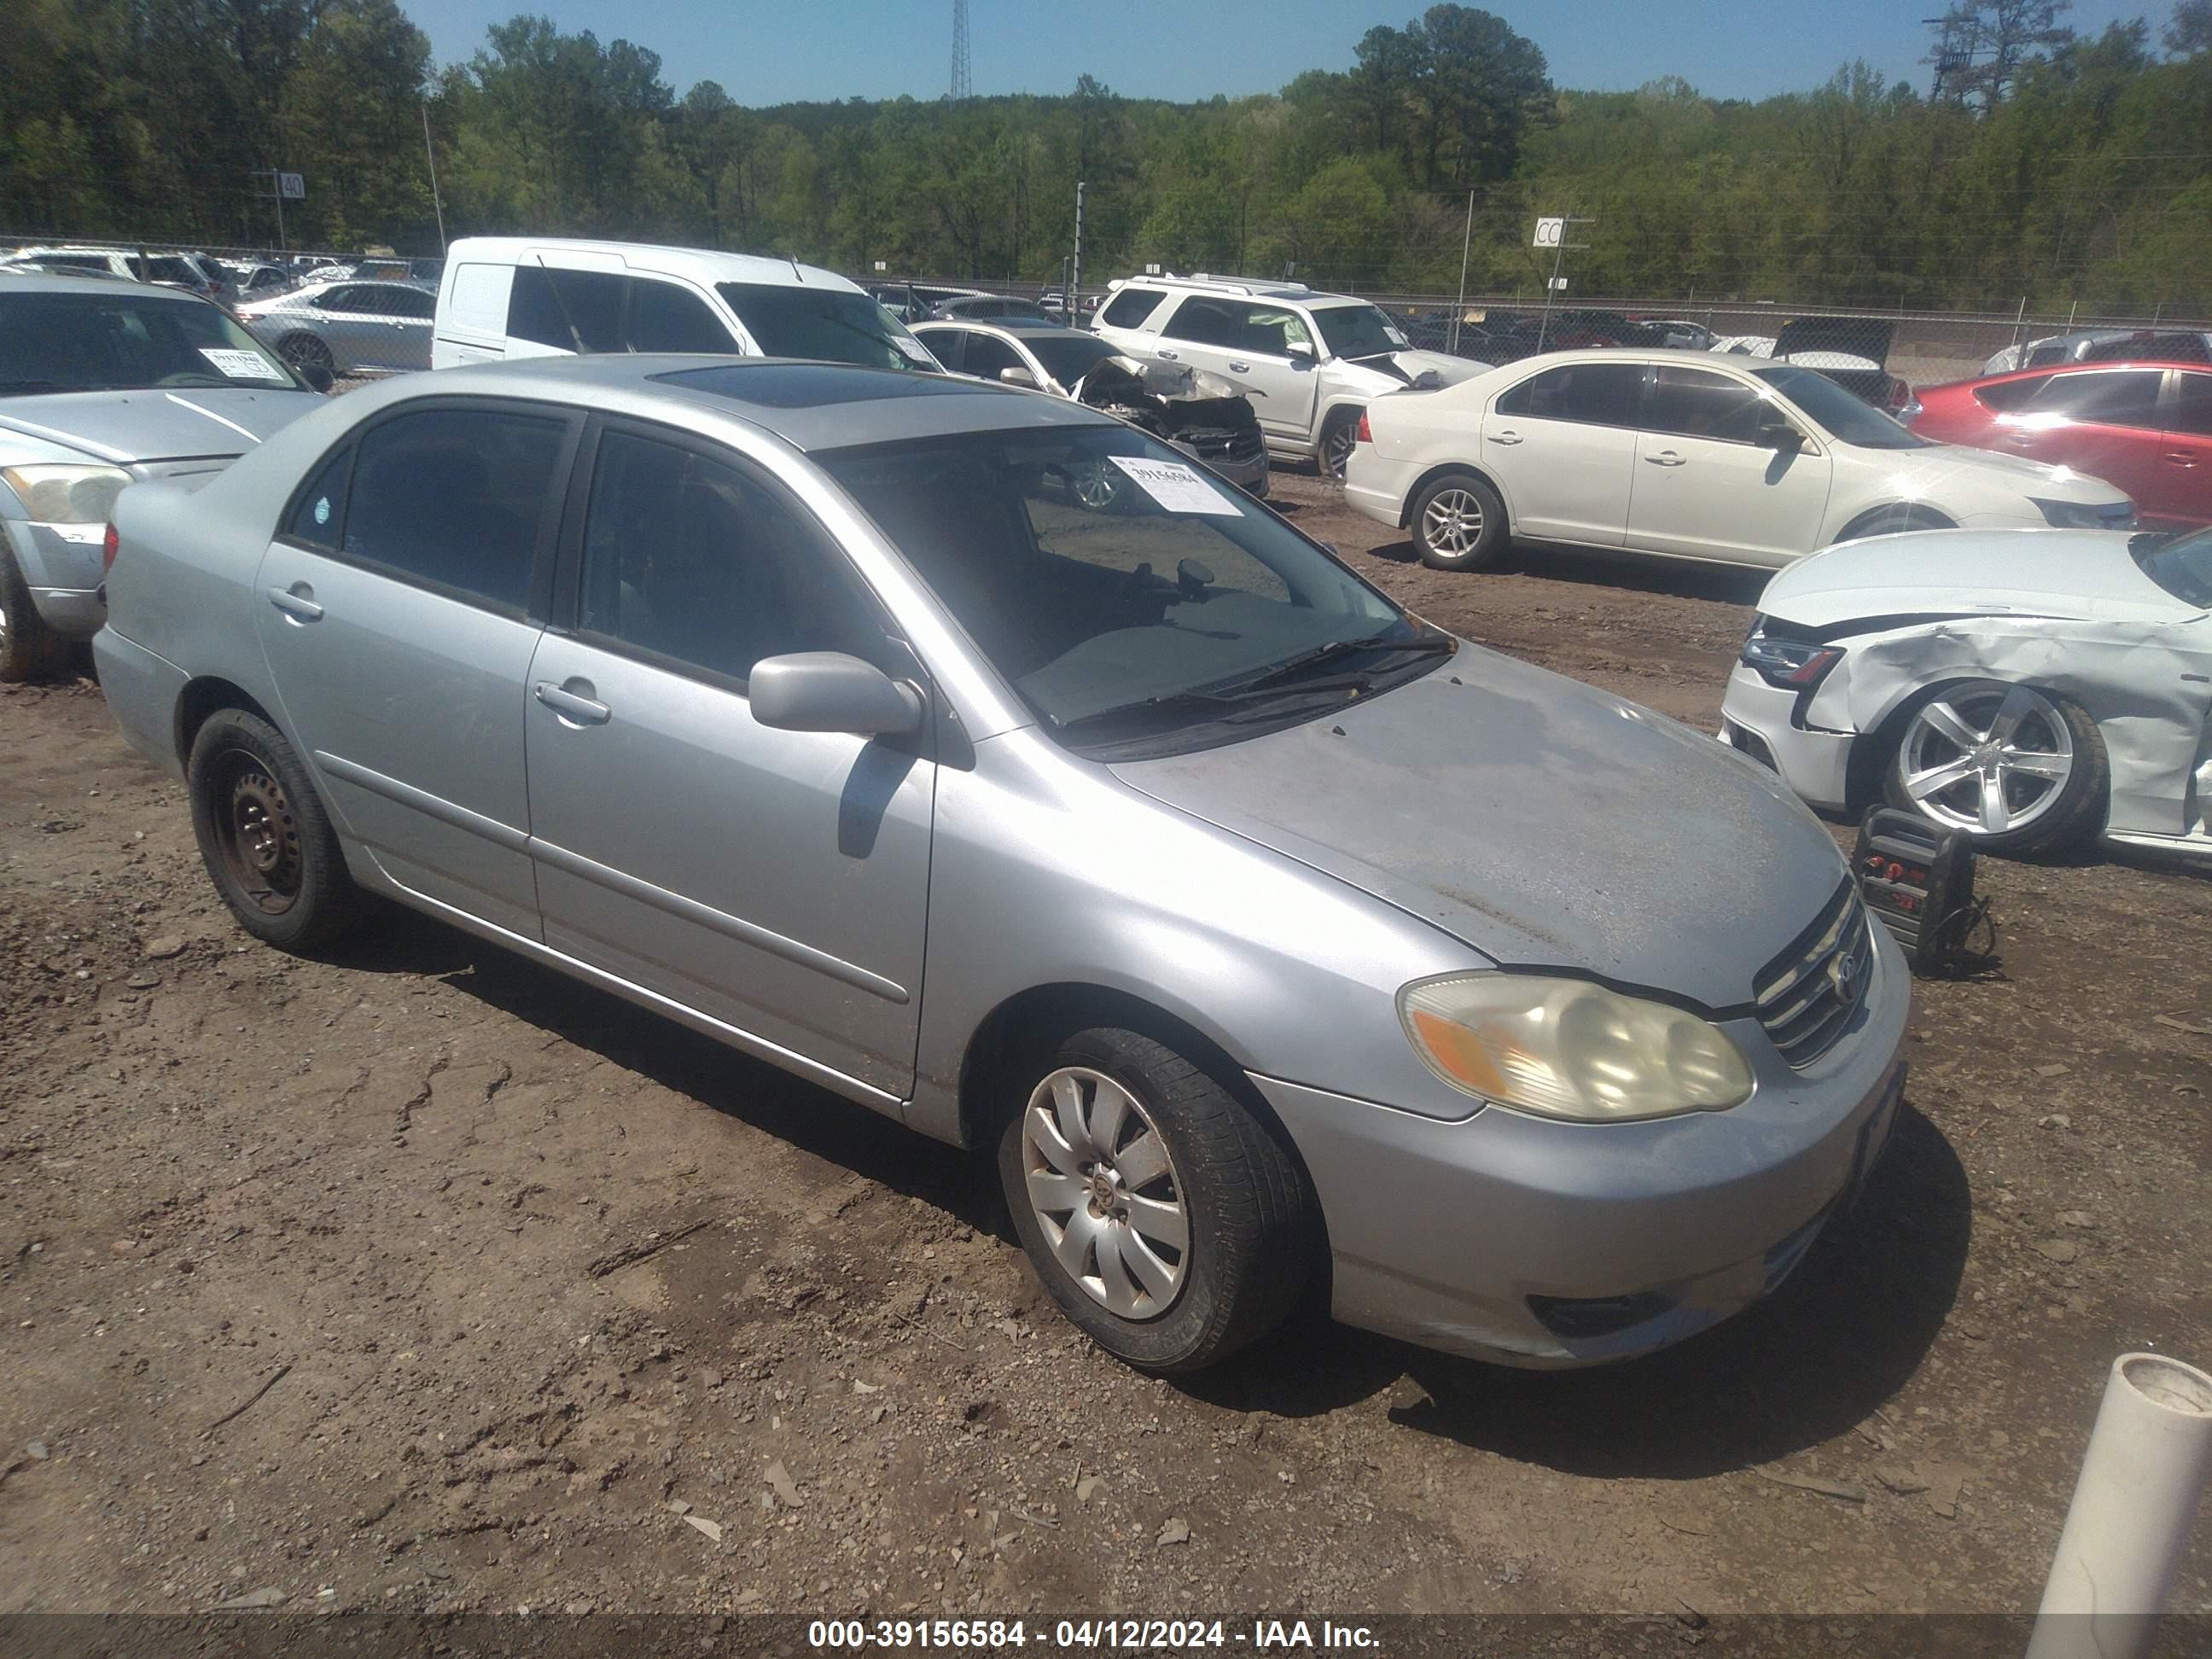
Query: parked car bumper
pixel 142 691
pixel 1760 720
pixel 1536 1243
pixel 61 566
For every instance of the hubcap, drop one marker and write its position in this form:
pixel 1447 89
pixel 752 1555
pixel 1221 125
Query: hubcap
pixel 1095 486
pixel 1452 526
pixel 256 839
pixel 1105 1192
pixel 1987 758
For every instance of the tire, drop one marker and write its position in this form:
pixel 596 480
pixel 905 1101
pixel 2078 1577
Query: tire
pixel 302 349
pixel 265 837
pixel 29 650
pixel 2057 798
pixel 1338 436
pixel 1468 530
pixel 1894 519
pixel 1185 1145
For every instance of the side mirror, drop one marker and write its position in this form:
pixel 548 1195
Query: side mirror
pixel 1302 356
pixel 1018 376
pixel 1780 435
pixel 316 375
pixel 829 691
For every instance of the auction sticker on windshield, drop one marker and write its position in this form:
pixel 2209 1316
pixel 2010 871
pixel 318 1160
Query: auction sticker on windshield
pixel 239 365
pixel 1176 487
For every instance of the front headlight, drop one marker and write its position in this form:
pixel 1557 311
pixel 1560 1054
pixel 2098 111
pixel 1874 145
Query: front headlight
pixel 67 495
pixel 1568 1049
pixel 1793 664
pixel 2082 515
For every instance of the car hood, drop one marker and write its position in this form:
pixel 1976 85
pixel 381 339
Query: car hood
pixel 1544 823
pixel 1389 370
pixel 2059 483
pixel 123 428
pixel 2061 573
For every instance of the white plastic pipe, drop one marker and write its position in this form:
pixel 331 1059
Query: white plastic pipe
pixel 2128 1526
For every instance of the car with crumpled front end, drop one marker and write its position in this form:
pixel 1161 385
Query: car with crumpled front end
pixel 1260 930
pixel 103 382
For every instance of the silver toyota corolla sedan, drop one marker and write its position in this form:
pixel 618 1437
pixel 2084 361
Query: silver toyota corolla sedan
pixel 1260 929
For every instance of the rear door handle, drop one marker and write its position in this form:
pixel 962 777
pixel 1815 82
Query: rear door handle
pixel 1507 438
pixel 583 711
pixel 1241 368
pixel 297 602
pixel 1665 457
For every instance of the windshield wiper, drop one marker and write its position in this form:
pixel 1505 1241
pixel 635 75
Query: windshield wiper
pixel 1334 650
pixel 13 387
pixel 1272 686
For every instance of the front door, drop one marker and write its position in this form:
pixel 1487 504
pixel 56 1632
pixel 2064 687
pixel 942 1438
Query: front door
pixel 776 882
pixel 395 611
pixel 1704 487
pixel 1562 443
pixel 1252 345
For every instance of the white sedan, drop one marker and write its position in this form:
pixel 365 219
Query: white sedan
pixel 2026 689
pixel 1683 454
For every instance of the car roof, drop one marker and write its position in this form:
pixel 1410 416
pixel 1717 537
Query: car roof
pixel 1024 328
pixel 813 406
pixel 702 265
pixel 2074 366
pixel 41 283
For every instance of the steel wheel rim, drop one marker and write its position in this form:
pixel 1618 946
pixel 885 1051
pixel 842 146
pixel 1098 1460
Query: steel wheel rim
pixel 1105 1194
pixel 1987 759
pixel 1452 525
pixel 256 835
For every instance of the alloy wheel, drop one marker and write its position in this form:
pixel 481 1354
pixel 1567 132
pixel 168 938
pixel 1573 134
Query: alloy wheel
pixel 1105 1190
pixel 1987 759
pixel 301 351
pixel 1336 448
pixel 1452 526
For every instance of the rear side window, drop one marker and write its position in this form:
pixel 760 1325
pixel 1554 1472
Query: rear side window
pixel 2192 405
pixel 2010 394
pixel 1595 394
pixel 1130 308
pixel 456 498
pixel 1696 403
pixel 666 318
pixel 556 307
pixel 2125 397
pixel 319 516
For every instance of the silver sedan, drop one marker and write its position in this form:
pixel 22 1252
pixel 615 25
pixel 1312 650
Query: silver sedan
pixel 1256 928
pixel 347 327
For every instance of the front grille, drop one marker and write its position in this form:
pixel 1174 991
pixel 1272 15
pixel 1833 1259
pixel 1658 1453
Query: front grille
pixel 1806 995
pixel 1217 443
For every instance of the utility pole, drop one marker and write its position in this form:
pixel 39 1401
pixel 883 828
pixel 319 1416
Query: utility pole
pixel 276 192
pixel 436 201
pixel 1466 243
pixel 1075 281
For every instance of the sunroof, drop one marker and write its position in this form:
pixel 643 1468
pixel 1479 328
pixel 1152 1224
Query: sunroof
pixel 811 385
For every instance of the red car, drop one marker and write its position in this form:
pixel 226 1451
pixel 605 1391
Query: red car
pixel 2143 428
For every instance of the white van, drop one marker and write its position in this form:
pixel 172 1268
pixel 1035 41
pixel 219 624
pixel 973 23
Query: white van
pixel 505 297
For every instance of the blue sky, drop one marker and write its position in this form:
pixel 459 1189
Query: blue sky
pixel 1189 49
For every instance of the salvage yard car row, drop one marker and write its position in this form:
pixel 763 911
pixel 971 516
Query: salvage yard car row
pixel 1097 818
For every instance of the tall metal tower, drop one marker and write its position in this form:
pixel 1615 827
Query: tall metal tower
pixel 963 84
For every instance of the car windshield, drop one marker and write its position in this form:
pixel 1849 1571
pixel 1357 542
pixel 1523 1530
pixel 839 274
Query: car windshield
pixel 1846 418
pixel 830 324
pixel 1358 330
pixel 1137 604
pixel 2182 565
pixel 122 340
pixel 1068 357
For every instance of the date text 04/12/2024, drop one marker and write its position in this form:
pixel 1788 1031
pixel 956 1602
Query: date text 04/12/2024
pixel 1106 1635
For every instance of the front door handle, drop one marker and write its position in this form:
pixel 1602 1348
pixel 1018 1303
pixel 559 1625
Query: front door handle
pixel 1665 457
pixel 1172 356
pixel 569 706
pixel 297 602
pixel 1507 438
pixel 1240 369
pixel 2181 458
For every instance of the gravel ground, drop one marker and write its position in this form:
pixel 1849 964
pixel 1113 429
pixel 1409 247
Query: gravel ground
pixel 421 1279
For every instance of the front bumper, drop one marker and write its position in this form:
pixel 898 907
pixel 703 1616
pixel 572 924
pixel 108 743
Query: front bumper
pixel 1531 1243
pixel 61 566
pixel 1760 720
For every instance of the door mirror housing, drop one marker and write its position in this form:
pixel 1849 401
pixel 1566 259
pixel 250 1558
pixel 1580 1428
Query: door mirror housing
pixel 1780 435
pixel 830 692
pixel 1018 375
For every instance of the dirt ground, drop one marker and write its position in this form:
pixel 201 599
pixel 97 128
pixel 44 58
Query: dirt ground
pixel 421 1279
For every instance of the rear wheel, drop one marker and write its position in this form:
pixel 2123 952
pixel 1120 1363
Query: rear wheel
pixel 1459 523
pixel 2010 767
pixel 266 841
pixel 305 351
pixel 1157 1210
pixel 29 650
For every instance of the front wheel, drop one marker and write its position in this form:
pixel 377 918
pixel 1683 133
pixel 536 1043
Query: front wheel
pixel 1159 1212
pixel 267 844
pixel 1337 439
pixel 29 650
pixel 1459 523
pixel 2011 768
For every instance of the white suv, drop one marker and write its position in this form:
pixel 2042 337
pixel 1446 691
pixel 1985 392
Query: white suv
pixel 1312 361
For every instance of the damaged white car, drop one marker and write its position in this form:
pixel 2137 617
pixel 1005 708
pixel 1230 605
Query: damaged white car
pixel 2027 689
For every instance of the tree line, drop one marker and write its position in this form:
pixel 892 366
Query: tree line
pixel 2039 165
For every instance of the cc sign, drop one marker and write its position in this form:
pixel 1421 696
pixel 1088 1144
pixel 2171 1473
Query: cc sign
pixel 1549 233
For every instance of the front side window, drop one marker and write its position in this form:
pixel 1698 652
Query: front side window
pixel 2108 398
pixel 1358 332
pixel 2001 395
pixel 124 340
pixel 826 324
pixel 1134 602
pixel 566 309
pixel 1275 333
pixel 691 560
pixel 1591 394
pixel 2182 565
pixel 663 317
pixel 456 499
pixel 1130 308
pixel 1696 403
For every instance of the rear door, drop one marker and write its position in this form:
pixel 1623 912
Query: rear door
pixel 399 607
pixel 1563 443
pixel 2103 421
pixel 408 311
pixel 2185 460
pixel 776 882
pixel 1703 488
